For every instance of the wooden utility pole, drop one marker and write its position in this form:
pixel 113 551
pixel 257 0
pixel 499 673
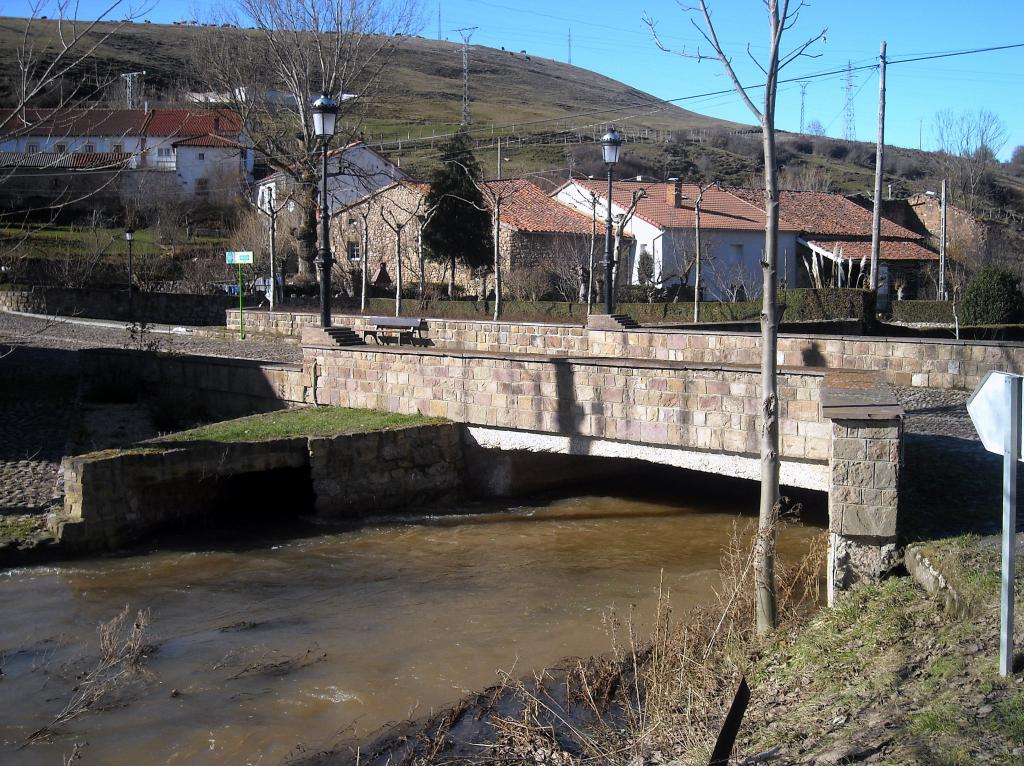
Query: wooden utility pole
pixel 499 158
pixel 876 216
pixel 942 244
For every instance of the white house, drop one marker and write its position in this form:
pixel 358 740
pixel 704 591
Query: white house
pixel 663 225
pixel 198 154
pixel 353 172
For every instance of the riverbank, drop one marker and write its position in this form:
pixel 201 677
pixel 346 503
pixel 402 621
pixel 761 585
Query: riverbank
pixel 891 675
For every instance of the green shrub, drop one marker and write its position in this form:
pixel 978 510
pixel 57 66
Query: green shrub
pixel 992 297
pixel 936 312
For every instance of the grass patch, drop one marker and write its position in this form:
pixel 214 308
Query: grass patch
pixel 307 421
pixel 19 527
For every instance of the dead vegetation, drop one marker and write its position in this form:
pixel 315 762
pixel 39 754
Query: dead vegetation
pixel 123 652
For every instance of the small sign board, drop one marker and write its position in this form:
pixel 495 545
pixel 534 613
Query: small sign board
pixel 987 408
pixel 240 256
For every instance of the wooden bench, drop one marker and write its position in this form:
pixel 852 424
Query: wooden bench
pixel 382 328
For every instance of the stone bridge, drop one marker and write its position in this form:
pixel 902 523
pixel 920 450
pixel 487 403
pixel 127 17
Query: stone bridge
pixel 840 431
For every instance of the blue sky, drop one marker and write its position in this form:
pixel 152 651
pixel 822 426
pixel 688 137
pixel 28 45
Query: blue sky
pixel 611 38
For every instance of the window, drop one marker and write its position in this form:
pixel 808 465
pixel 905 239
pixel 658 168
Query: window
pixel 737 252
pixel 202 187
pixel 89 149
pixel 62 148
pixel 353 251
pixel 117 148
pixel 165 151
pixel 202 156
pixel 32 148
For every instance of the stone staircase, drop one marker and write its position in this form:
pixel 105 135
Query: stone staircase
pixel 344 336
pixel 612 322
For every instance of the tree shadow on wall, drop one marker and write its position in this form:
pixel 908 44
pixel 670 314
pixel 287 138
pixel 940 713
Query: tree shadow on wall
pixel 570 415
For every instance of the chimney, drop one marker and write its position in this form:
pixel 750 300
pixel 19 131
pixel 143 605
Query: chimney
pixel 216 124
pixel 674 192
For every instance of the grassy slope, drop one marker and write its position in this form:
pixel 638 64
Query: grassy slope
pixel 311 421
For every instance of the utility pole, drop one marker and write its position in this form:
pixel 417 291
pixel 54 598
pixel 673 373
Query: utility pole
pixel 942 244
pixel 570 45
pixel 466 33
pixel 803 98
pixel 499 158
pixel 439 21
pixel 876 216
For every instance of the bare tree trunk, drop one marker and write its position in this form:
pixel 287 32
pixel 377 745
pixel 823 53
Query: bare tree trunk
pixel 590 265
pixel 696 278
pixel 362 265
pixel 307 234
pixel 398 271
pixel 764 561
pixel 497 258
pixel 451 279
pixel 423 263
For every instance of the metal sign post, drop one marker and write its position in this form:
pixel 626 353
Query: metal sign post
pixel 1010 457
pixel 240 257
pixel 995 410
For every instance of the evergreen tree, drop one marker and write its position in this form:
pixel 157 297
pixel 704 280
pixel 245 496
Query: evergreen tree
pixel 459 232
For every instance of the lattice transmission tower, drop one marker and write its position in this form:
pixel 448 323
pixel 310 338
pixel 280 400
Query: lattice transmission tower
pixel 850 127
pixel 466 33
pixel 803 99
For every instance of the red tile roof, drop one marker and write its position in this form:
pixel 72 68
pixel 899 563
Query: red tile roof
pixel 120 122
pixel 525 207
pixel 72 122
pixel 186 122
pixel 720 208
pixel 888 249
pixel 214 142
pixel 65 161
pixel 825 214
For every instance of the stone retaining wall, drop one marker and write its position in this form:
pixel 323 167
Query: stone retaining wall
pixel 95 303
pixel 218 386
pixel 114 498
pixel 926 362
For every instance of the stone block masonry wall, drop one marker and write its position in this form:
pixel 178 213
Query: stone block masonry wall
pixel 219 386
pixel 95 303
pixel 112 499
pixel 863 500
pixel 901 361
pixel 363 474
pixel 661 403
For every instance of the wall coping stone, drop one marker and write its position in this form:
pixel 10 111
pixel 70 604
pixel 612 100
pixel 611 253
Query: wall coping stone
pixel 553 358
pixel 858 395
pixel 698 331
pixel 230 361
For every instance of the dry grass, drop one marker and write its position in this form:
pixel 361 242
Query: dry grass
pixel 122 654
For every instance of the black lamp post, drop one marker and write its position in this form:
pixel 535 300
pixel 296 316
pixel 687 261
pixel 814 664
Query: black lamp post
pixel 611 143
pixel 129 236
pixel 325 116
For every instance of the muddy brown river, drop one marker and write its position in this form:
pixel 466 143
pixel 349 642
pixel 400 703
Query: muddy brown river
pixel 273 646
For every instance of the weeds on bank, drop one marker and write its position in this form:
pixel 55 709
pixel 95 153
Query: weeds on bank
pixel 122 654
pixel 663 698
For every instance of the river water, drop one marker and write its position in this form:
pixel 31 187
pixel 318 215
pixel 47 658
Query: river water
pixel 264 648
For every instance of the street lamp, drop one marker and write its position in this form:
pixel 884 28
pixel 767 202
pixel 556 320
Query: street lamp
pixel 325 116
pixel 129 236
pixel 611 143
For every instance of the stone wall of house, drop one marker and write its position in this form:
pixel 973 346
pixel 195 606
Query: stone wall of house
pixel 115 498
pixel 95 303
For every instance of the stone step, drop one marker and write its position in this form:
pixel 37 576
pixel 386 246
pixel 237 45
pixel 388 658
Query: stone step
pixel 344 336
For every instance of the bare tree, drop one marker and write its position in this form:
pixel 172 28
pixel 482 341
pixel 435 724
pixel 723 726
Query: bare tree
pixel 397 217
pixel 968 143
pixel 620 223
pixel 306 47
pixel 780 18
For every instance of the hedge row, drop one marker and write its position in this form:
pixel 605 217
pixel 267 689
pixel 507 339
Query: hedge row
pixel 934 312
pixel 800 306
